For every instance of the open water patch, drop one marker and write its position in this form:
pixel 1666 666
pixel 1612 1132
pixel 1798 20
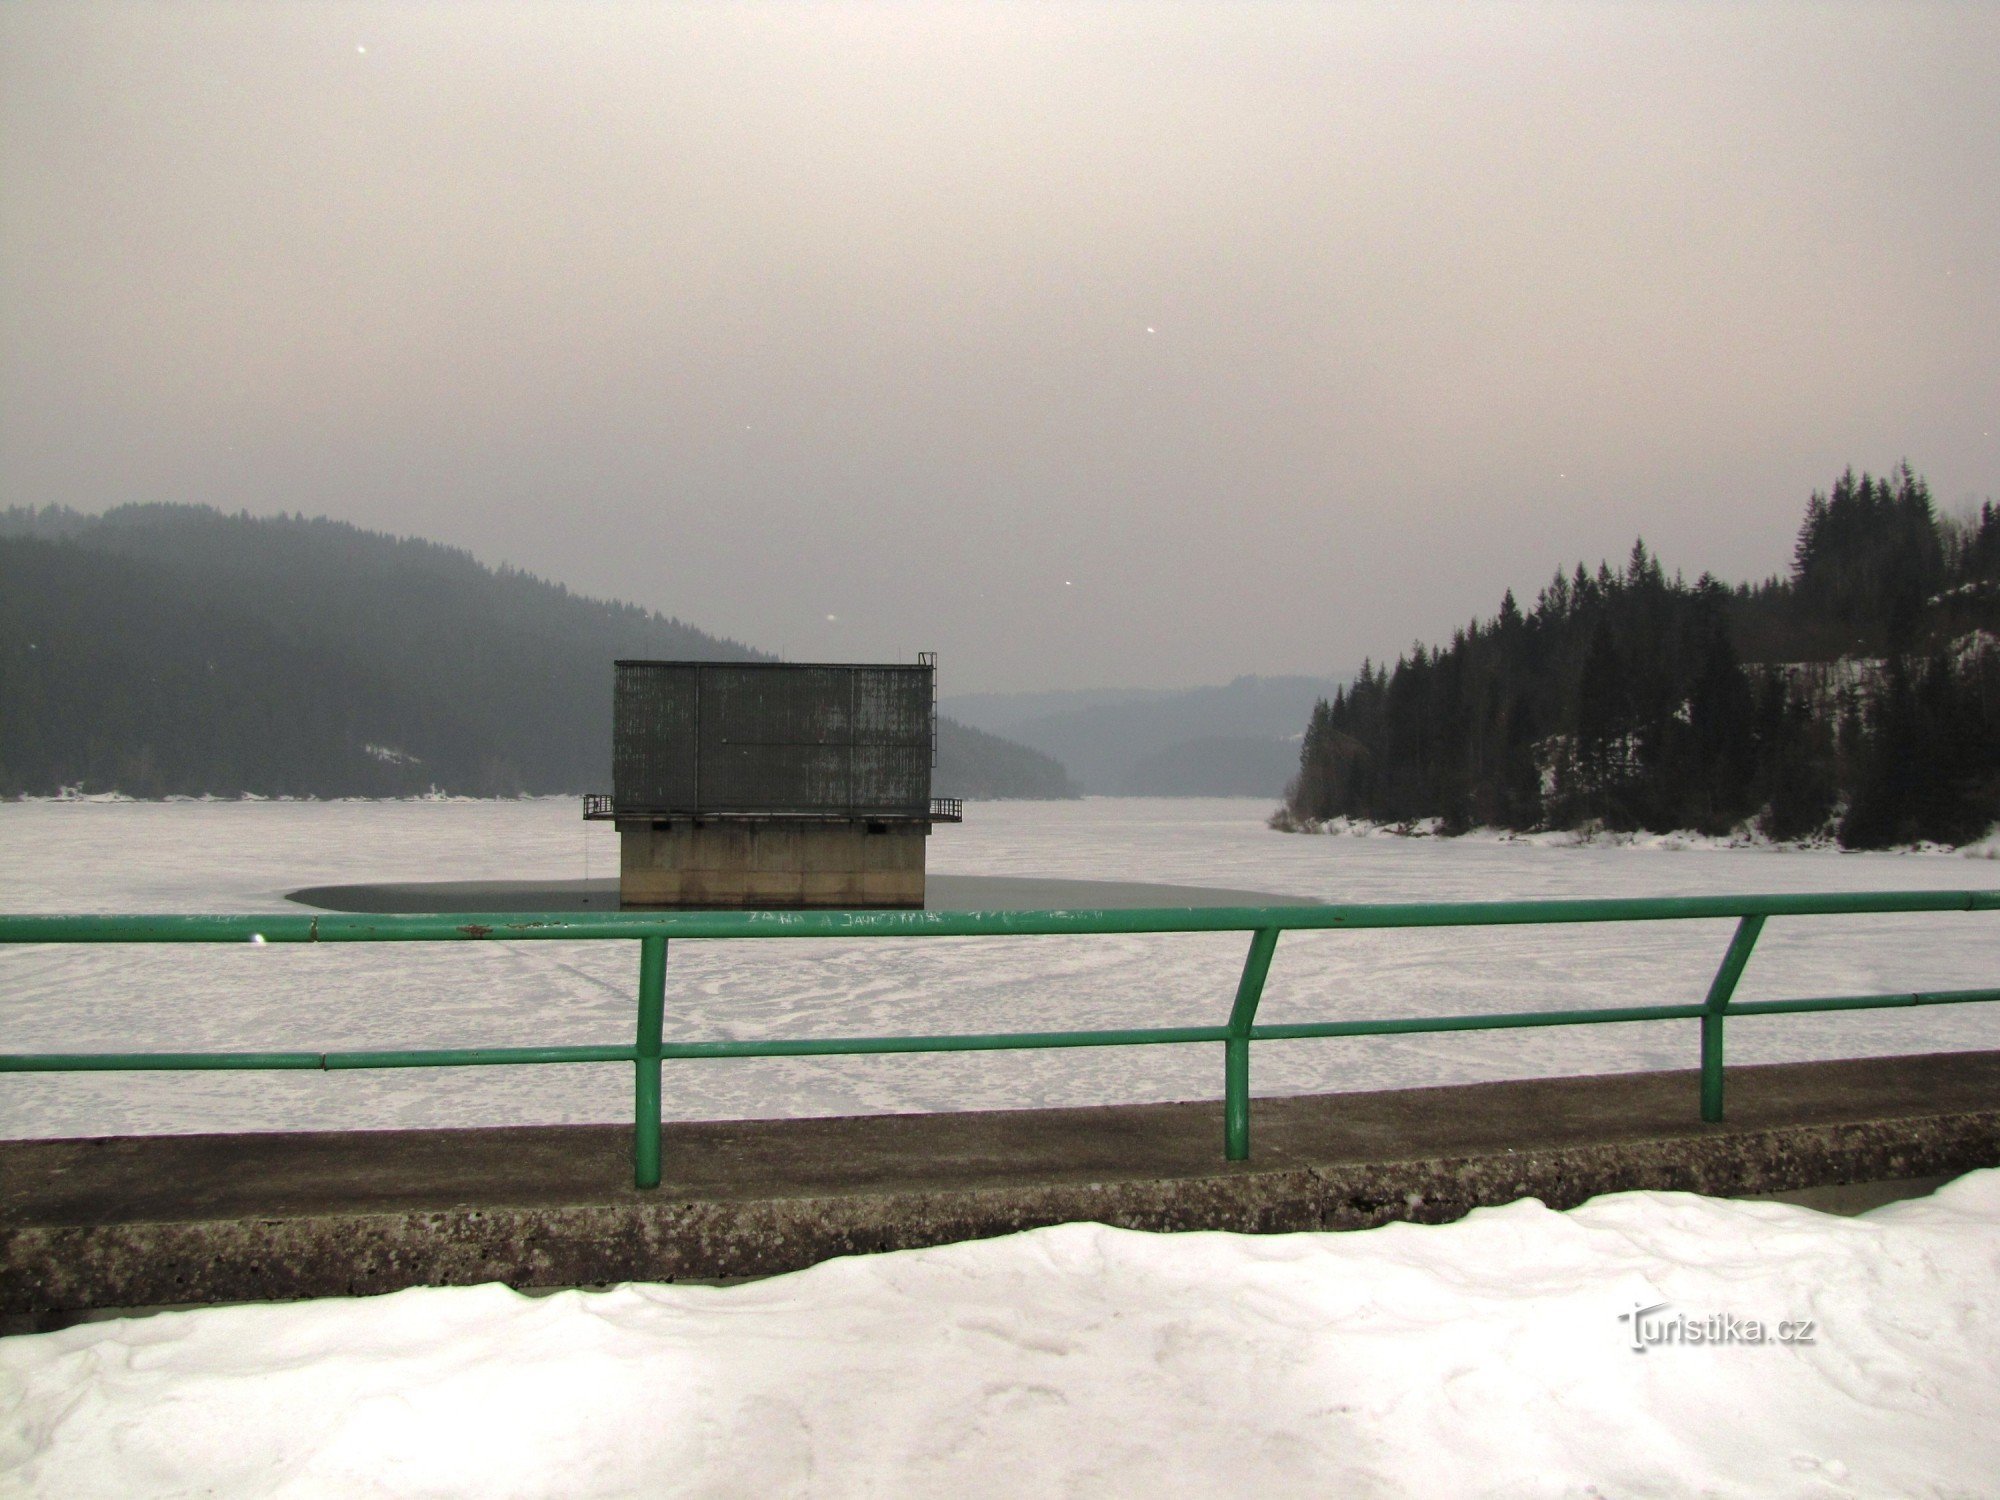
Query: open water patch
pixel 941 893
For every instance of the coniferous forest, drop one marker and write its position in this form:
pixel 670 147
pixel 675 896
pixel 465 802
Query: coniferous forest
pixel 162 650
pixel 1857 698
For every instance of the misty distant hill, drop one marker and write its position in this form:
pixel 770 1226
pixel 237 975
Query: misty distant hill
pixel 1241 739
pixel 162 649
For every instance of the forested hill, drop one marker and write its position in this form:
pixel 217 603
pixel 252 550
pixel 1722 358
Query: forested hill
pixel 1860 696
pixel 160 649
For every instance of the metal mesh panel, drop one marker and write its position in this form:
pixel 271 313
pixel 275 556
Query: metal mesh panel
pixel 653 715
pixel 716 737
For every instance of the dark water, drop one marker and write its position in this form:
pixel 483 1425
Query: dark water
pixel 943 893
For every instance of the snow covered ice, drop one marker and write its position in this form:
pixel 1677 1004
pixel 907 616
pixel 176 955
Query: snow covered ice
pixel 243 856
pixel 1486 1357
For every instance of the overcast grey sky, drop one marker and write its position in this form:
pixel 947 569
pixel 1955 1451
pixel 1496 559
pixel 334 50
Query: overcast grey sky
pixel 1088 345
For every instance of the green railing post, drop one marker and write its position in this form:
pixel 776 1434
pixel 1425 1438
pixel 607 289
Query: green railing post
pixel 1719 991
pixel 1236 1050
pixel 646 1062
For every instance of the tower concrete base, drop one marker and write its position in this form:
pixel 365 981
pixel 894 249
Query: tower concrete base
pixel 695 863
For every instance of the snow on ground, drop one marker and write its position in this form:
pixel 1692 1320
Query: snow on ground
pixel 1490 1357
pixel 1494 1356
pixel 242 856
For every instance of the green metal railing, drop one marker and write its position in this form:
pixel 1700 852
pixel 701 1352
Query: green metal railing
pixel 652 930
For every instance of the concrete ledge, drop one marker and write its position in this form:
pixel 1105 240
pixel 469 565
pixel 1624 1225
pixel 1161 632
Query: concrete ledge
pixel 144 1221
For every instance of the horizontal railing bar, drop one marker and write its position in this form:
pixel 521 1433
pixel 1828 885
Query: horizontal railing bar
pixel 338 927
pixel 100 1062
pixel 143 1062
pixel 1505 1020
pixel 479 1057
pixel 445 1057
pixel 1021 1041
pixel 1500 1021
pixel 1861 1002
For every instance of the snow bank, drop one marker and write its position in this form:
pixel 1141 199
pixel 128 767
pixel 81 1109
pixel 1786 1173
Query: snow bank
pixel 1493 1356
pixel 1986 848
pixel 1587 836
pixel 1595 835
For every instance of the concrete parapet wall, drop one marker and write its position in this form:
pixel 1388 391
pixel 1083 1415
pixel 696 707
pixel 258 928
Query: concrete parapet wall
pixel 139 1221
